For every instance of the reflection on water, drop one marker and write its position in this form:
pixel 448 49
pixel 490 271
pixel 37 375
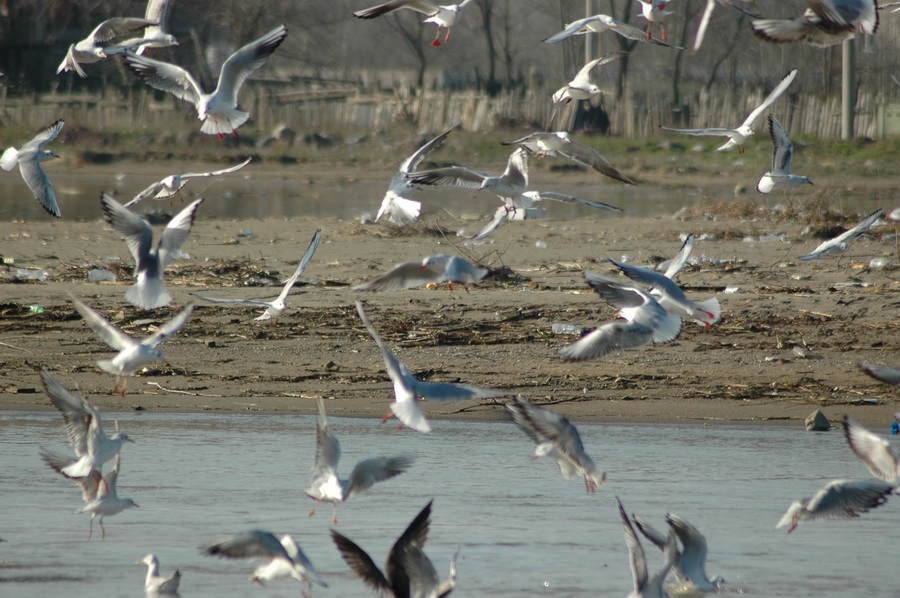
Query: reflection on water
pixel 522 529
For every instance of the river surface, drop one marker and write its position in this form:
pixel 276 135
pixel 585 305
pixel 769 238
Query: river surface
pixel 522 530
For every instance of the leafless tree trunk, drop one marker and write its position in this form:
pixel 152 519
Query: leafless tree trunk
pixel 486 7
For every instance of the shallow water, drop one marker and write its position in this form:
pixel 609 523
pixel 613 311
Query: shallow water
pixel 522 530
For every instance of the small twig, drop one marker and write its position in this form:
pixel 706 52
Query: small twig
pixel 14 347
pixel 182 392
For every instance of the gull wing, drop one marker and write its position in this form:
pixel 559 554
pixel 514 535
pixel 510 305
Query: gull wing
pixel 844 237
pixel 176 233
pixel 613 292
pixel 29 159
pixel 402 276
pixel 873 450
pixel 770 99
pixel 109 333
pixel 229 170
pixel 655 536
pixel 652 279
pixel 118 29
pixel 249 302
pixel 165 77
pixel 77 412
pixel 885 373
pixel 613 336
pixel 156 11
pixel 304 262
pixel 328 449
pixel 420 571
pixel 361 564
pixel 784 149
pixel 636 557
pixel 693 558
pixel 137 232
pixel 558 430
pixel 449 176
pixel 246 60
pixel 445 392
pixel 413 161
pixel 252 544
pixel 150 191
pixel 426 8
pixel 516 173
pixel 170 327
pixel 587 25
pixel 585 73
pixel 44 137
pixel 633 33
pixel 378 469
pixel 541 195
pixel 845 499
pixel 494 224
pixel 708 132
pixel 681 258
pixel 588 156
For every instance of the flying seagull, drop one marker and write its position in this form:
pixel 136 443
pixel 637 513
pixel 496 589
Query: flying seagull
pixel 435 269
pixel 739 136
pixel 838 499
pixel 600 23
pixel 172 184
pixel 823 23
pixel 156 36
pixel 655 12
pixel 326 486
pixel 581 88
pixel 28 158
pixel 107 502
pixel 780 177
pixel 560 143
pixel 217 110
pixel 112 36
pixel 873 450
pixel 276 307
pixel 444 16
pixel 841 242
pixel 646 585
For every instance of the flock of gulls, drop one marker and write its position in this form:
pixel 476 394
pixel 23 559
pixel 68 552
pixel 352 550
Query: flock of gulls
pixel 652 305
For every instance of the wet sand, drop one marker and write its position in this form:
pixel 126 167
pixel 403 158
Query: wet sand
pixel 789 341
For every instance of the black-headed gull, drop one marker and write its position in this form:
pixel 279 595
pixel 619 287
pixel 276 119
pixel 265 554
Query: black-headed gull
pixel 600 23
pixel 156 584
pixel 823 23
pixel 655 12
pixel 326 486
pixel 156 36
pixel 560 143
pixel 444 16
pixel 780 177
pixel 671 297
pixel 217 110
pixel 840 243
pixel 707 15
pixel 739 136
pixel 172 184
pixel 646 322
pixel 149 292
pixel 28 158
pixel 132 353
pixel 435 269
pixel 408 571
pixel 885 373
pixel 112 36
pixel 107 502
pixel 407 388
pixel 838 499
pixel 398 208
pixel 691 564
pixel 84 427
pixel 873 450
pixel 554 435
pixel 646 585
pixel 581 88
pixel 287 559
pixel 276 307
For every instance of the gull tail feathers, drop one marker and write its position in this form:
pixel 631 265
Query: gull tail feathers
pixel 411 415
pixel 226 126
pixel 713 312
pixel 9 159
pixel 148 293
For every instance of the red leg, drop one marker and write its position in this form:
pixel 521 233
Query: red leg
pixel 437 38
pixel 662 31
pixel 221 137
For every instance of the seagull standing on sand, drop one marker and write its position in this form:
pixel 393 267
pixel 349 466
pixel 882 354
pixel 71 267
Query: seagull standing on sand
pixel 560 143
pixel 132 354
pixel 646 322
pixel 276 307
pixel 326 486
pixel 581 88
pixel 434 269
pixel 29 159
pixel 780 176
pixel 217 110
pixel 739 136
pixel 600 23
pixel 149 292
pixel 107 502
pixel 444 16
pixel 838 499
pixel 841 242
pixel 655 12
pixel 407 388
pixel 408 571
pixel 84 427
pixel 172 184
pixel 823 23
pixel 555 436
pixel 646 585
pixel 287 558
pixel 155 584
pixel 112 36
pixel 396 205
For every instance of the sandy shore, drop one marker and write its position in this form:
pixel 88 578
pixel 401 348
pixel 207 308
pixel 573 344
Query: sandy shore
pixel 789 341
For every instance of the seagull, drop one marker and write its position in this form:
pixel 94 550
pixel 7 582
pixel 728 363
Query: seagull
pixel 149 292
pixel 84 427
pixel 107 502
pixel 444 16
pixel 885 373
pixel 156 584
pixel 407 387
pixel 287 559
pixel 156 36
pixel 671 297
pixel 581 88
pixel 645 585
pixel 555 435
pixel 691 563
pixel 218 110
pixel 655 12
pixel 647 322
pixel 396 206
pixel 841 242
pixel 707 15
pixel 29 159
pixel 112 36
pixel 561 143
pixel 780 176
pixel 327 486
pixel 674 265
pixel 132 354
pixel 172 184
pixel 739 136
pixel 434 269
pixel 276 307
pixel 408 571
pixel 600 23
pixel 838 499
pixel 873 450
pixel 823 23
